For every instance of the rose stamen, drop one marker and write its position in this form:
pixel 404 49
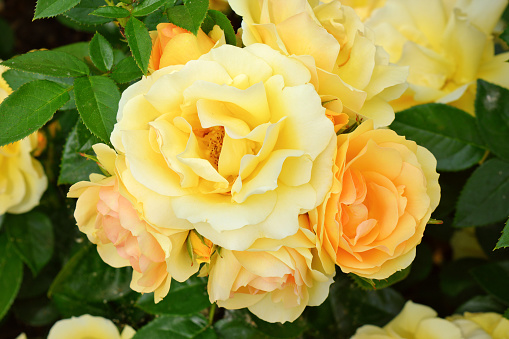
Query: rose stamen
pixel 214 141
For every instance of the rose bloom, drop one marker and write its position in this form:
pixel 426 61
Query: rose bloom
pixel 481 325
pixel 363 8
pixel 173 45
pixel 275 285
pixel 88 327
pixel 111 218
pixel 415 321
pixel 236 141
pixel 352 74
pixel 22 178
pixel 448 45
pixel 385 188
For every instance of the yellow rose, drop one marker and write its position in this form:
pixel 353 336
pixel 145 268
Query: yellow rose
pixel 108 215
pixel 90 327
pixel 363 8
pixel 22 178
pixel 351 71
pixel 415 321
pixel 448 45
pixel 172 45
pixel 482 325
pixel 384 191
pixel 237 142
pixel 275 285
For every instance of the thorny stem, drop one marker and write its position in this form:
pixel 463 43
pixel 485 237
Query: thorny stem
pixel 211 313
pixel 109 2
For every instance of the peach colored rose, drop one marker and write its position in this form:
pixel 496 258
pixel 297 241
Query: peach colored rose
pixel 275 285
pixel 384 191
pixel 352 73
pixel 234 143
pixel 202 247
pixel 90 327
pixel 107 214
pixel 448 45
pixel 22 178
pixel 172 45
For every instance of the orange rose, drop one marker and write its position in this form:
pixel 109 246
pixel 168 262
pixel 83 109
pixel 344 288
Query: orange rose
pixel 172 45
pixel 384 191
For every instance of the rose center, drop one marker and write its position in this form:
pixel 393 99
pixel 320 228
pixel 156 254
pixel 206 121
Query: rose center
pixel 213 140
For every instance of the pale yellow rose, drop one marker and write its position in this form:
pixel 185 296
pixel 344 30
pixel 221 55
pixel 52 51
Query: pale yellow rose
pixel 173 45
pixel 351 71
pixel 447 44
pixel 363 8
pixel 276 285
pixel 415 321
pixel 22 178
pixel 88 327
pixel 384 191
pixel 111 218
pixel 482 325
pixel 236 142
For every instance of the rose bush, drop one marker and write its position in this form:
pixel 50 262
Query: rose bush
pixel 385 188
pixel 237 142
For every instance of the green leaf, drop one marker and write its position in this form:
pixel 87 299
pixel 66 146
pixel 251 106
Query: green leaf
pixel 485 197
pixel 50 63
pixel 372 284
pixel 449 133
pixel 74 167
pixel 49 8
pixel 176 327
pixel 184 298
pixel 126 71
pixel 81 13
pixel 147 7
pixel 493 278
pixel 190 15
pixel 481 303
pixel 78 49
pixel 139 42
pixel 69 306
pixel 97 100
pixel 86 277
pixel 101 53
pixel 217 18
pixel 504 238
pixel 492 111
pixel 236 328
pixel 38 311
pixel 455 277
pixel 112 12
pixel 11 274
pixel 353 307
pixel 29 108
pixel 32 235
pixel 277 330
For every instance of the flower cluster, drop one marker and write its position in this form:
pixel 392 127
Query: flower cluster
pixel 420 321
pixel 245 164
